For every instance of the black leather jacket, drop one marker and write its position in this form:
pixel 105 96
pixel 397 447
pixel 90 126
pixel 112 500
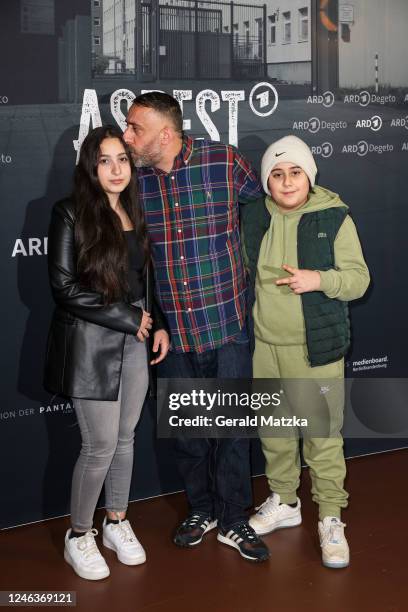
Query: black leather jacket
pixel 86 338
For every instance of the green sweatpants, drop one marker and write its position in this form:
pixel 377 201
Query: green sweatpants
pixel 324 456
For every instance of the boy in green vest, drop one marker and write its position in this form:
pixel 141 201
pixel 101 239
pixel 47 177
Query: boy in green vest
pixel 308 266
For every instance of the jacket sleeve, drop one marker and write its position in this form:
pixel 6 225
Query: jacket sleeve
pixel 350 278
pixel 66 290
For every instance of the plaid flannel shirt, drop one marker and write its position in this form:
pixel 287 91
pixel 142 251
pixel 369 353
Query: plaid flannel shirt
pixel 192 216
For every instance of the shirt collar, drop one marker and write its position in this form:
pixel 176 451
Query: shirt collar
pixel 187 148
pixel 184 155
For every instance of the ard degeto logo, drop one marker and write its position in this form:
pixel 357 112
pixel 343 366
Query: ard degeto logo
pixel 325 150
pixel 326 99
pixel 362 147
pixel 314 124
pixel 365 97
pixel 263 99
pixel 375 123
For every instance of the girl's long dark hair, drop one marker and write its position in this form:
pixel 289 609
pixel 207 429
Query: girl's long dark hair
pixel 102 257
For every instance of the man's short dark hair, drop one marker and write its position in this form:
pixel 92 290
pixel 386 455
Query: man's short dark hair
pixel 164 104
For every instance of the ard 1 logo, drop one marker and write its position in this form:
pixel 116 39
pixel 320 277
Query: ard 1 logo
pixel 400 122
pixel 326 99
pixel 375 123
pixel 325 150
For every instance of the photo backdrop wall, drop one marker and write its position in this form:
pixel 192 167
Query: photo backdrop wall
pixel 246 73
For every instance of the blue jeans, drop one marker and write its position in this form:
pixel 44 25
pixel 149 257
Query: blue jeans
pixel 216 472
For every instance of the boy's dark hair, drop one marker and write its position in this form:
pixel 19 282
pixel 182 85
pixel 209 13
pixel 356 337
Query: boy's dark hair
pixel 164 104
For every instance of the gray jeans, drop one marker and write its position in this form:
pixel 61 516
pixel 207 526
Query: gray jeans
pixel 107 430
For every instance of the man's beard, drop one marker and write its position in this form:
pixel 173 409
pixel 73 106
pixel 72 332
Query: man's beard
pixel 146 159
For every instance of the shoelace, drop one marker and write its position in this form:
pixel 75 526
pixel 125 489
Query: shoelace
pixel 193 520
pixel 246 532
pixel 268 506
pixel 87 545
pixel 125 531
pixel 335 533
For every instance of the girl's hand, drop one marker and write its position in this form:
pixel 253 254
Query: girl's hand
pixel 145 325
pixel 300 281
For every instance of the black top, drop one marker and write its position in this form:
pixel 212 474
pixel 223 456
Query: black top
pixel 136 264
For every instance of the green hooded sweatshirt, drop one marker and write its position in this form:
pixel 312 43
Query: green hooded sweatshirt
pixel 278 315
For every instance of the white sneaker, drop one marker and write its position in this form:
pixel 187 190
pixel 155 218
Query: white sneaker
pixel 335 550
pixel 84 557
pixel 120 537
pixel 273 515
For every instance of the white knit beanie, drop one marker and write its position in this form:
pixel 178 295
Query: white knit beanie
pixel 288 149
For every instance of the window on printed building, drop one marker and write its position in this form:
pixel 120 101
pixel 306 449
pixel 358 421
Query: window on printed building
pixel 260 32
pixel 97 21
pixel 246 26
pixel 97 2
pixel 97 40
pixel 303 24
pixel 236 33
pixel 287 34
pixel 272 29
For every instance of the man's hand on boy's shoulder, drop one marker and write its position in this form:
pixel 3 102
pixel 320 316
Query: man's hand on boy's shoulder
pixel 300 281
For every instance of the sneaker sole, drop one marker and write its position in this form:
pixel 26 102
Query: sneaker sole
pixel 189 545
pixel 121 558
pixel 284 524
pixel 229 542
pixel 84 573
pixel 334 565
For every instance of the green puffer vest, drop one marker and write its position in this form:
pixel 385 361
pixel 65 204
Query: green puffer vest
pixel 326 320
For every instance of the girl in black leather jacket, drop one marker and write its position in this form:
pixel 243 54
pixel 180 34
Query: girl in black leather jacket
pixel 98 354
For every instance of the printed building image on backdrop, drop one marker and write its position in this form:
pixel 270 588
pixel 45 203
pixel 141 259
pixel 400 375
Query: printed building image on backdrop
pixel 246 73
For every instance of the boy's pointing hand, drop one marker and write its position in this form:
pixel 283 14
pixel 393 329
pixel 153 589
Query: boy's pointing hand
pixel 300 281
